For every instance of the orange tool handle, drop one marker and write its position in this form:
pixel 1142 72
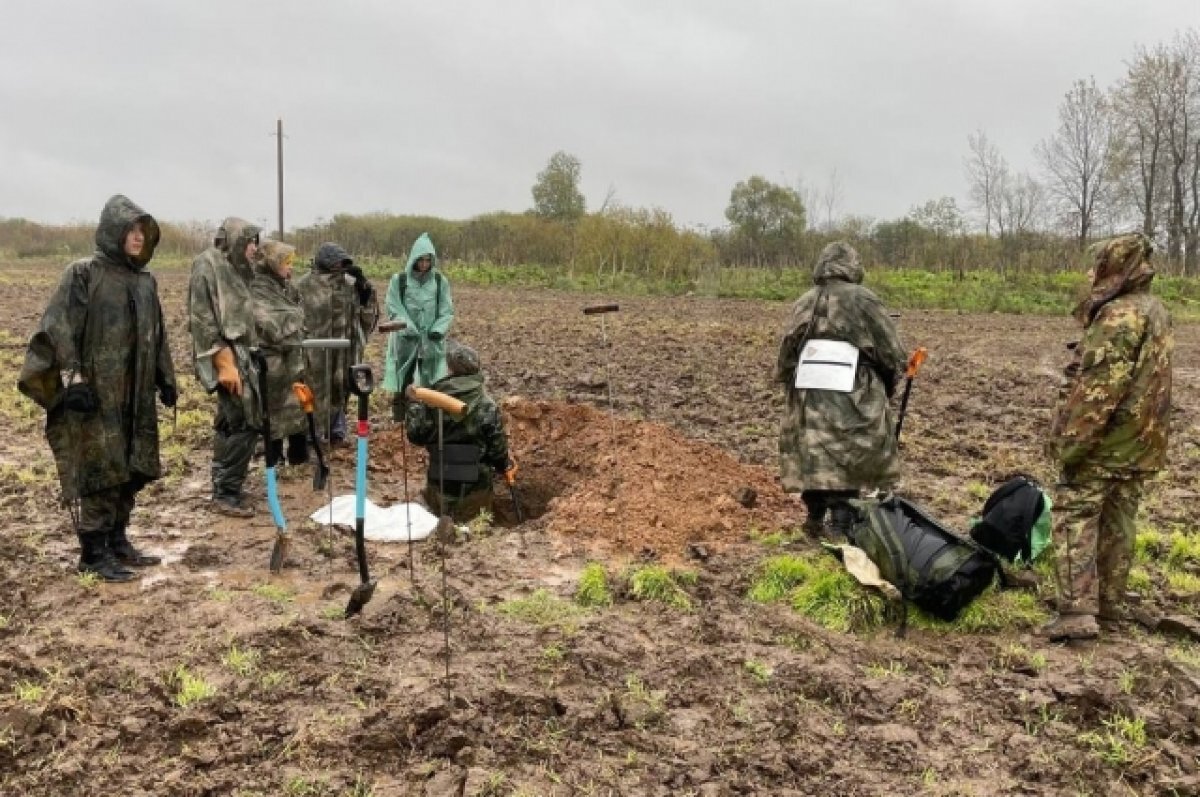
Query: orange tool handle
pixel 304 395
pixel 915 361
pixel 438 400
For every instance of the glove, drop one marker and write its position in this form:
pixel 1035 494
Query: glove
pixel 81 397
pixel 436 336
pixel 510 472
pixel 356 272
pixel 168 395
pixel 227 372
pixel 365 292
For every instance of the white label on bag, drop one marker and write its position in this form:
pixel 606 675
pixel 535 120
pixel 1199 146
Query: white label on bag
pixel 827 365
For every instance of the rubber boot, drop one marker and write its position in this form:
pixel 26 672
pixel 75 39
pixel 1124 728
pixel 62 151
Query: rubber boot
pixel 96 558
pixel 297 452
pixel 124 552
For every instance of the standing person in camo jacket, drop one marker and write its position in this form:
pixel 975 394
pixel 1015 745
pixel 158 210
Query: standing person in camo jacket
pixel 1109 434
pixel 95 363
pixel 834 444
pixel 279 326
pixel 339 302
pixel 221 320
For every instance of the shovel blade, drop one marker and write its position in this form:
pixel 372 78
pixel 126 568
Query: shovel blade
pixel 360 598
pixel 279 552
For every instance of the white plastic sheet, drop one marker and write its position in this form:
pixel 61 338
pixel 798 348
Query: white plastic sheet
pixel 380 524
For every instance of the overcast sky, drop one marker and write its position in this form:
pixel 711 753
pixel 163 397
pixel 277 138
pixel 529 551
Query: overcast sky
pixel 451 108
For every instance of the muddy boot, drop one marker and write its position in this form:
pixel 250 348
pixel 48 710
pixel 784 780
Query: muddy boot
pixel 94 557
pixel 1067 627
pixel 124 552
pixel 231 506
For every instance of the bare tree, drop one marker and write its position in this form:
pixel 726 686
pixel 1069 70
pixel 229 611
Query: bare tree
pixel 831 197
pixel 985 168
pixel 1140 102
pixel 1183 151
pixel 1077 157
pixel 1021 204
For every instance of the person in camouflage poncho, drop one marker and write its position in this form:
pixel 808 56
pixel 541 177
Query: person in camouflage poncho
pixel 1109 434
pixel 221 321
pixel 339 302
pixel 475 445
pixel 95 363
pixel 831 444
pixel 279 327
pixel 420 299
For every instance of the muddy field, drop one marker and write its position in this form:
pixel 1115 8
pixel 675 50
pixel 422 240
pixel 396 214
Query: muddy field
pixel 209 676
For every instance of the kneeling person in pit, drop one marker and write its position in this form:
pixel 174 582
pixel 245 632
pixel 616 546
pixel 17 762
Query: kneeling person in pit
pixel 474 447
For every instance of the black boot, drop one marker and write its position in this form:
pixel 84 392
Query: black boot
pixel 297 453
pixel 842 519
pixel 124 552
pixel 95 558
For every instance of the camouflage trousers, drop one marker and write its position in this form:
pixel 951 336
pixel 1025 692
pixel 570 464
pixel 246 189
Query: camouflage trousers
pixel 109 509
pixel 1093 542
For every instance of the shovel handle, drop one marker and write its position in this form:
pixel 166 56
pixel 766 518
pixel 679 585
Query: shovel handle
pixel 597 309
pixel 438 400
pixel 304 395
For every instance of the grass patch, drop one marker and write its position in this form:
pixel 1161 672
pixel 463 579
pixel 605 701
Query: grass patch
pixel 333 611
pixel 778 576
pixel 242 662
pixel 543 610
pixel 1019 658
pixel 88 581
pixel 654 700
pixel 1184 550
pixel 758 670
pixel 29 692
pixel 273 593
pixel 1185 653
pixel 1183 583
pixel 1139 580
pixel 593 591
pixel 1119 742
pixel 5 620
pixel 190 688
pixel 663 585
pixel 994 610
pixel 774 539
pixel 273 679
pixel 832 598
pixel 1149 546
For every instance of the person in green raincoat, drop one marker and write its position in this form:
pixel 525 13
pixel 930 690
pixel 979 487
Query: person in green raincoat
pixel 420 300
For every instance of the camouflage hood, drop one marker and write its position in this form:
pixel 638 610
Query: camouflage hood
pixel 1122 265
pixel 118 216
pixel 329 256
pixel 232 237
pixel 461 360
pixel 838 261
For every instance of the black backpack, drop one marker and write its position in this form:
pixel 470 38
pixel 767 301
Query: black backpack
pixel 933 568
pixel 1009 514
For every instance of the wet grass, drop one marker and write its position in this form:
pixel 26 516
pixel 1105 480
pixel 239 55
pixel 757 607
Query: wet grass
pixel 544 610
pixel 593 591
pixel 190 688
pixel 662 585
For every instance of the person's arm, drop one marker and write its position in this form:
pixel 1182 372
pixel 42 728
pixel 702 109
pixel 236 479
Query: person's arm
pixel 445 309
pixel 493 439
pixel 396 311
pixel 886 352
pixel 164 367
pixel 53 352
pixel 1108 351
pixel 421 424
pixel 793 333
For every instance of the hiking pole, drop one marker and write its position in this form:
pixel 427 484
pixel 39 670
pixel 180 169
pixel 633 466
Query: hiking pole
pixel 914 365
pixel 279 551
pixel 603 310
pixel 362 382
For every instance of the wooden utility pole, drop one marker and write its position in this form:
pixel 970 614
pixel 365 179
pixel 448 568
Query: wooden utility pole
pixel 279 165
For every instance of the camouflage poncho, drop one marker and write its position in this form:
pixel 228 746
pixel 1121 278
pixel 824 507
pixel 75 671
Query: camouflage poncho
pixel 221 310
pixel 279 327
pixel 830 440
pixel 332 310
pixel 104 323
pixel 1115 403
pixel 482 425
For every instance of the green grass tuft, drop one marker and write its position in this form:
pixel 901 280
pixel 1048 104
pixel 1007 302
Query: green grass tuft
pixel 994 610
pixel 189 687
pixel 662 585
pixel 778 576
pixel 1184 550
pixel 273 593
pixel 832 598
pixel 593 591
pixel 544 610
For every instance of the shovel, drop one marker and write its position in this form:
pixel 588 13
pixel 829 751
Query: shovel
pixel 362 382
pixel 279 552
pixel 914 365
pixel 308 402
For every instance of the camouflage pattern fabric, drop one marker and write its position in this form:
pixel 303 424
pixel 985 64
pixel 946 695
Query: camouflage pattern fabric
pixel 332 310
pixel 416 354
pixel 1094 533
pixel 221 311
pixel 279 327
pixel 830 440
pixel 1115 402
pixel 481 425
pixel 103 324
pixel 108 509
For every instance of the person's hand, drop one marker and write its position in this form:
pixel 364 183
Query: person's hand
pixel 411 392
pixel 168 395
pixel 510 472
pixel 436 336
pixel 227 372
pixel 81 397
pixel 356 272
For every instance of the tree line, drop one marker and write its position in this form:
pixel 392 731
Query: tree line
pixel 1118 158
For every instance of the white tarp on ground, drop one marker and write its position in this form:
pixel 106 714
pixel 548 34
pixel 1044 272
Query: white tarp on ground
pixel 380 524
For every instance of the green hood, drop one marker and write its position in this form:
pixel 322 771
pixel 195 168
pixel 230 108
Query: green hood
pixel 467 388
pixel 232 238
pixel 118 216
pixel 838 261
pixel 421 247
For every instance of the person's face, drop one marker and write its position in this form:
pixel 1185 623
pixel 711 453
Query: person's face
pixel 135 240
pixel 424 263
pixel 252 251
pixel 285 268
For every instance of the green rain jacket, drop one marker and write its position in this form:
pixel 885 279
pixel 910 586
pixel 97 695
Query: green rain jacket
pixel 104 323
pixel 417 353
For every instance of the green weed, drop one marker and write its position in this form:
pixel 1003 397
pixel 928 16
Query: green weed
pixel 1121 738
pixel 1183 583
pixel 1149 546
pixel 994 610
pixel 273 593
pixel 273 679
pixel 593 588
pixel 1184 550
pixel 29 692
pixel 891 669
pixel 88 581
pixel 662 585
pixel 543 610
pixel 654 700
pixel 190 688
pixel 1139 580
pixel 778 576
pixel 333 611
pixel 832 598
pixel 759 671
pixel 241 661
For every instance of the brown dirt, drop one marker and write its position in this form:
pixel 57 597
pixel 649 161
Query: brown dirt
pixel 633 699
